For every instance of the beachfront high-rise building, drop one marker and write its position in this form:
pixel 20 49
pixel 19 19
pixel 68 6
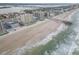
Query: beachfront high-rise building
pixel 27 18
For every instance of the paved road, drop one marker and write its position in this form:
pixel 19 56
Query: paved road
pixel 27 36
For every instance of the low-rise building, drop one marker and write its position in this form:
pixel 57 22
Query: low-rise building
pixel 41 15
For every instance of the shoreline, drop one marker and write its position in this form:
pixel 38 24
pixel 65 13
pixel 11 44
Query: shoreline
pixel 42 42
pixel 50 36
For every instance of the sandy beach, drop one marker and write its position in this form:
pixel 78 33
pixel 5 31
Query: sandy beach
pixel 31 35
